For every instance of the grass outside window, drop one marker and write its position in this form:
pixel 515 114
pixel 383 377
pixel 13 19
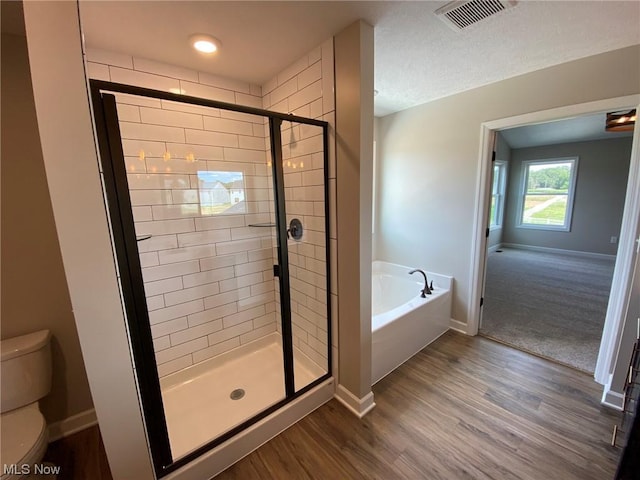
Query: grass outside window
pixel 548 190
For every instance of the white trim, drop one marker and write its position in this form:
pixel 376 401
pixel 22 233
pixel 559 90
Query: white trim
pixel 576 253
pixel 566 226
pixel 622 272
pixel 480 221
pixel 211 463
pixel 502 166
pixel 560 113
pixel 458 326
pixel 612 399
pixel 495 247
pixel 358 406
pixel 72 424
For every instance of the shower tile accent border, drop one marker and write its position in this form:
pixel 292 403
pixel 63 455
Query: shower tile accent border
pixel 209 282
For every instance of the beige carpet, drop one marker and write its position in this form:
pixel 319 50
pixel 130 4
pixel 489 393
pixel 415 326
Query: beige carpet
pixel 549 304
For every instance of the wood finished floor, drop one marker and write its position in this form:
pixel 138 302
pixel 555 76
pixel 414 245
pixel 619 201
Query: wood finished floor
pixel 463 408
pixel 80 456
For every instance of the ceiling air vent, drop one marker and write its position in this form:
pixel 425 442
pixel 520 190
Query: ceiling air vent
pixel 463 14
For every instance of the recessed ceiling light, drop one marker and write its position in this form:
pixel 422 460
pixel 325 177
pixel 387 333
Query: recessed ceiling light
pixel 204 43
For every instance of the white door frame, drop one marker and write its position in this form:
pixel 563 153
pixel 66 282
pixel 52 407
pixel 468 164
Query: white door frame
pixel 621 284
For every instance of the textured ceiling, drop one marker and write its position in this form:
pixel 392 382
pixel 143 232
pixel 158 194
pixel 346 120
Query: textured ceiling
pixel 430 60
pixel 417 57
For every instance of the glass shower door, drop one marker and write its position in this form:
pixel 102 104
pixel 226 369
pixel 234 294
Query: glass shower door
pixel 305 179
pixel 218 217
pixel 199 188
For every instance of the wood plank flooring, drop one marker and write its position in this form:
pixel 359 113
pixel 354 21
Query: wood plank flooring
pixel 80 456
pixel 463 408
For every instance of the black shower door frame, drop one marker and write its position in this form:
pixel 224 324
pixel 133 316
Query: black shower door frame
pixel 130 273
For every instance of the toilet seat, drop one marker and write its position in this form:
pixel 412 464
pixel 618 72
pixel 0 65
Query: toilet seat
pixel 24 437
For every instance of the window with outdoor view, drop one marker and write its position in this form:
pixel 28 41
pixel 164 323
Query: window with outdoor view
pixel 497 193
pixel 547 198
pixel 221 192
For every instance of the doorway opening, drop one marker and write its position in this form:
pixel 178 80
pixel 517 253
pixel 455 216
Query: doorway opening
pixel 620 283
pixel 557 199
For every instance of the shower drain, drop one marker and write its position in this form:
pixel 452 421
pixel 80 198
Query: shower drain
pixel 237 394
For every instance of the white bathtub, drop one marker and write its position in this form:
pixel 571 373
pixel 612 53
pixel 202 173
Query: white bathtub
pixel 402 322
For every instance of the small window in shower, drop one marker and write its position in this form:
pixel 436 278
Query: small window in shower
pixel 221 192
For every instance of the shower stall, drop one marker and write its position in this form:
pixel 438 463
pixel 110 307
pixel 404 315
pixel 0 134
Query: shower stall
pixel 219 222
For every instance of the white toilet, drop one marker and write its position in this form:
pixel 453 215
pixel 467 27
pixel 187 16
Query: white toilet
pixel 25 378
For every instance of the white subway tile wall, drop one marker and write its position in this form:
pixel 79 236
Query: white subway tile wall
pixel 209 278
pixel 305 88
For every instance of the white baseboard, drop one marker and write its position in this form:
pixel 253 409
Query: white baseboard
pixel 557 250
pixel 458 326
pixel 495 247
pixel 358 406
pixel 71 425
pixel 612 399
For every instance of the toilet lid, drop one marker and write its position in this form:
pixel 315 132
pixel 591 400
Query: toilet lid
pixel 22 431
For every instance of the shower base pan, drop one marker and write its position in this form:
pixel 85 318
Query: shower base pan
pixel 208 399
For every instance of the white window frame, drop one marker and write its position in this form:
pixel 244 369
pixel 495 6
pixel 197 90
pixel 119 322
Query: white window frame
pixel 566 227
pixel 500 194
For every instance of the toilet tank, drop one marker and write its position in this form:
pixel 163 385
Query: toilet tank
pixel 26 369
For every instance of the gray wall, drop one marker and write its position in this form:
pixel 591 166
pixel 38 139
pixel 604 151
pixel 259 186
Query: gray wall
pixel 429 160
pixel 603 168
pixel 503 152
pixel 34 286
